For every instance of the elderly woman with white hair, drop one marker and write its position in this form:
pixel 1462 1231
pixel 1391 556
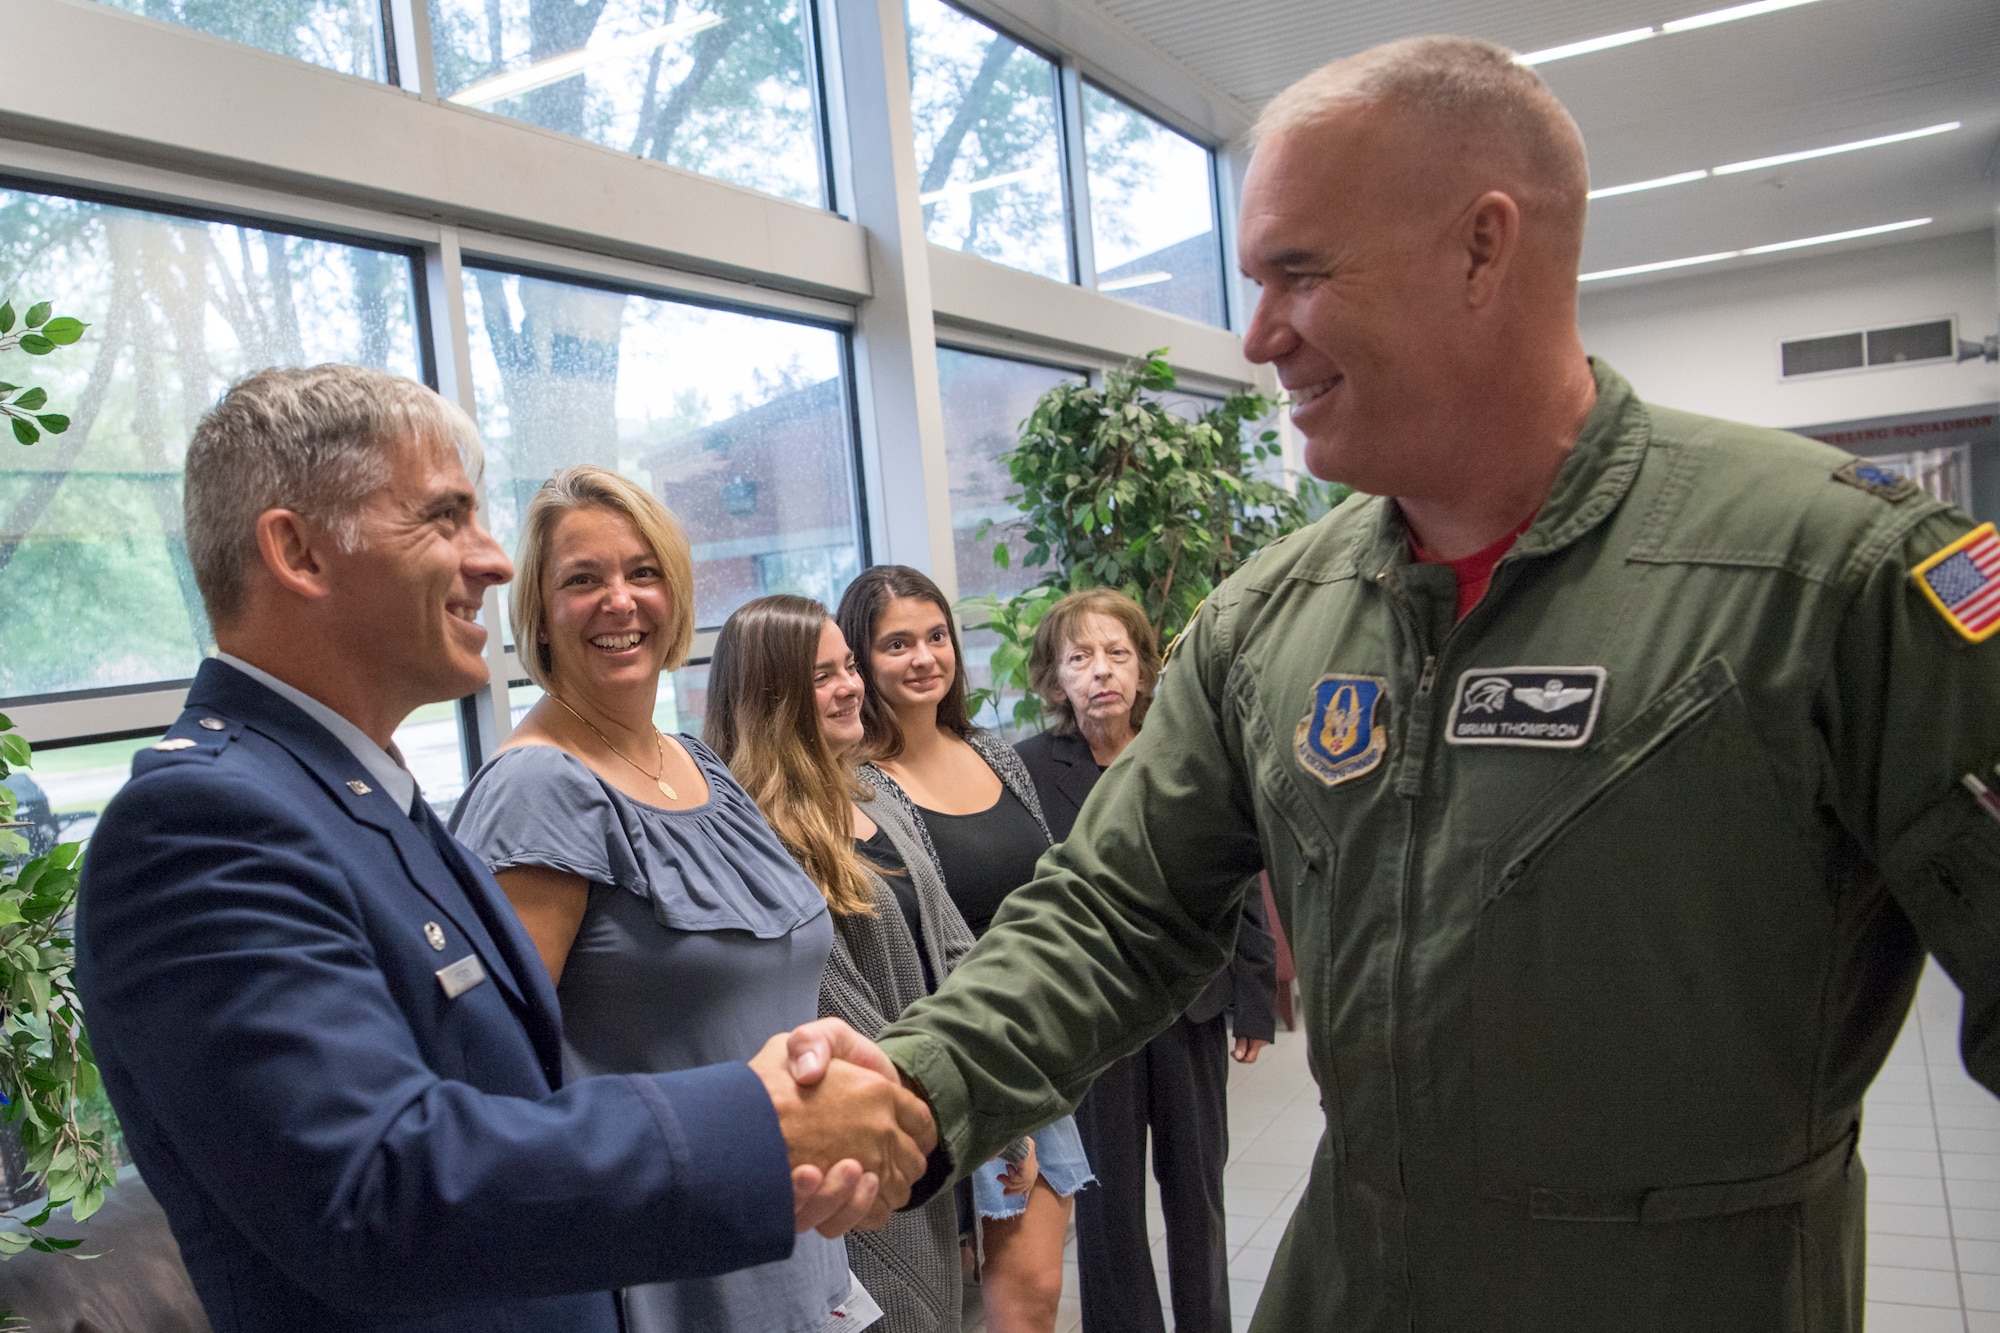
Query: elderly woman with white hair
pixel 676 927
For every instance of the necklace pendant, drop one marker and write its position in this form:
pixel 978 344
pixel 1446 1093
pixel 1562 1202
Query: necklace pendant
pixel 670 793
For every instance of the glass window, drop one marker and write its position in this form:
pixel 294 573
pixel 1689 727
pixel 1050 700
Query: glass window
pixel 989 145
pixel 65 790
pixel 739 423
pixel 720 87
pixel 986 398
pixel 1152 211
pixel 344 35
pixel 95 587
pixel 429 742
pixel 682 699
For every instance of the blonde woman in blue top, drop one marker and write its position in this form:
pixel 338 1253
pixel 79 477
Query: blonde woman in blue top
pixel 678 930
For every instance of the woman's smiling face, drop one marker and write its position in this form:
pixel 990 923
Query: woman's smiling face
pixel 837 690
pixel 607 601
pixel 911 659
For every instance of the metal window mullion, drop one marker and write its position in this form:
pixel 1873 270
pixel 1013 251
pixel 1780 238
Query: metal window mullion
pixel 1226 167
pixel 897 396
pixel 1076 170
pixel 415 63
pixel 484 718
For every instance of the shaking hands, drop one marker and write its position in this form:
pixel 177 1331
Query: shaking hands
pixel 858 1141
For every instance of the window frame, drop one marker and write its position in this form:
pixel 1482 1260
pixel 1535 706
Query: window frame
pixel 148 140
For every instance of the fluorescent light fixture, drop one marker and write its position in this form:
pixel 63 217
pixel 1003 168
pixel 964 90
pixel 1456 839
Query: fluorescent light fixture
pixel 1730 15
pixel 557 68
pixel 1773 248
pixel 1585 48
pixel 1758 163
pixel 974 187
pixel 1833 236
pixel 1658 182
pixel 1135 280
pixel 1630 35
pixel 1658 267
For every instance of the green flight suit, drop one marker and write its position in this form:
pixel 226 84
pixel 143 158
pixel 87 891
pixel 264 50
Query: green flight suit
pixel 1592 1008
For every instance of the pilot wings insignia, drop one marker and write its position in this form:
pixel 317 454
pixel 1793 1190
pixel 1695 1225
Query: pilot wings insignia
pixel 1552 697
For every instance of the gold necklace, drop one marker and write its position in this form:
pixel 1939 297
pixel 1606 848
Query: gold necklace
pixel 659 778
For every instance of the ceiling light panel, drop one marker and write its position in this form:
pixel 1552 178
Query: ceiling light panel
pixel 1659 266
pixel 1657 183
pixel 1756 164
pixel 1584 48
pixel 1730 15
pixel 1759 163
pixel 1689 24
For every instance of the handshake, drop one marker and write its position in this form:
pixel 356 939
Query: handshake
pixel 857 1139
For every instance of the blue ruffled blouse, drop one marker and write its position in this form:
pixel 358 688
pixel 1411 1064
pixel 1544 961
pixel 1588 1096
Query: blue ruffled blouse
pixel 701 939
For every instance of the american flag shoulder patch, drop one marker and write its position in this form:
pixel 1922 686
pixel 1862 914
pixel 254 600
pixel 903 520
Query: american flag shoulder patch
pixel 1963 582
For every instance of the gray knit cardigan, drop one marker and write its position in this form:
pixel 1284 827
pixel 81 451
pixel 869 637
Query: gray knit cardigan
pixel 911 1266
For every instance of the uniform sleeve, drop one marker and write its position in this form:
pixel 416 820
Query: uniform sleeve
pixel 1254 1013
pixel 248 1027
pixel 1123 925
pixel 1914 708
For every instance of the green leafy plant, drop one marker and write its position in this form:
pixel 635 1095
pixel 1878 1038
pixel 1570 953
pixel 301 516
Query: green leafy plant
pixel 1118 491
pixel 47 1074
pixel 48 1080
pixel 38 335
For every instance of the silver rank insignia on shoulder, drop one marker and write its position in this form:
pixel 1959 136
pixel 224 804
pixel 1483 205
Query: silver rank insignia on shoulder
pixel 176 743
pixel 212 724
pixel 359 788
pixel 1340 739
pixel 461 976
pixel 435 934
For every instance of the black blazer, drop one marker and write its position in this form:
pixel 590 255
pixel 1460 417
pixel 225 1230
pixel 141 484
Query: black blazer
pixel 1064 772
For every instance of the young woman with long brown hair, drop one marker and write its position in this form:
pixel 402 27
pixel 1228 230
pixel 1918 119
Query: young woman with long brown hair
pixel 784 711
pixel 969 794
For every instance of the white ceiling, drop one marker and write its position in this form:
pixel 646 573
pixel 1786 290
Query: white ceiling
pixel 1819 74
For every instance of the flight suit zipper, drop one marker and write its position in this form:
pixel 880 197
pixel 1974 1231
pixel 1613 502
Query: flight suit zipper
pixel 1409 786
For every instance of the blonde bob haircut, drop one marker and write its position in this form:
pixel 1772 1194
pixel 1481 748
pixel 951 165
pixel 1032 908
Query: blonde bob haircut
pixel 587 486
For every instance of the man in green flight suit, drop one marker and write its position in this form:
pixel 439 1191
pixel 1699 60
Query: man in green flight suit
pixel 1609 887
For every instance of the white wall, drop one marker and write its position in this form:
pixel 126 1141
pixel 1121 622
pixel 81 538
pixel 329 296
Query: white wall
pixel 1708 342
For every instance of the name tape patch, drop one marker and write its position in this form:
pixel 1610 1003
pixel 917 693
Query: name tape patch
pixel 1340 738
pixel 1552 707
pixel 461 976
pixel 1963 582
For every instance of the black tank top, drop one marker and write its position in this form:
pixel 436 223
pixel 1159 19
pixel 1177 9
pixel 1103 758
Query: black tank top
pixel 986 856
pixel 879 852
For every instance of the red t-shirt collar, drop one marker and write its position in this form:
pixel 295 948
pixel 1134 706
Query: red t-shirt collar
pixel 1475 571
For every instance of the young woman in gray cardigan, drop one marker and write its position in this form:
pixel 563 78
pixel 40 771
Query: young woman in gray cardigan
pixel 783 708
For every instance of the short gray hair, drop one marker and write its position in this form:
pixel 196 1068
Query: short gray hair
pixel 1477 88
pixel 318 441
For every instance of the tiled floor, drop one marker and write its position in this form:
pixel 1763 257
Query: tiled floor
pixel 1930 1137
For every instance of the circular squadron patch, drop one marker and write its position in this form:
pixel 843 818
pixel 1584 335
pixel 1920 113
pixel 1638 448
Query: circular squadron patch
pixel 1338 740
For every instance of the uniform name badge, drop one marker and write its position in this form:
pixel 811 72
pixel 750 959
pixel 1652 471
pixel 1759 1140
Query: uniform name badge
pixel 1546 707
pixel 1339 738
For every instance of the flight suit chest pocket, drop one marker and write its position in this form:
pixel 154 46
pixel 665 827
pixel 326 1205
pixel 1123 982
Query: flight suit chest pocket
pixel 1648 963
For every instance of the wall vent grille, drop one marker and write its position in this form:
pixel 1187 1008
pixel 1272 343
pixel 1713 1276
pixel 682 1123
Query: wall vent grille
pixel 1866 349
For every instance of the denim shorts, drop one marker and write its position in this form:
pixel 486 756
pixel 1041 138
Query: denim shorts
pixel 1059 1155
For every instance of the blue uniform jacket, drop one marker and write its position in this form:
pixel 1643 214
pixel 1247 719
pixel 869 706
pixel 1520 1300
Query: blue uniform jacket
pixel 338 1143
